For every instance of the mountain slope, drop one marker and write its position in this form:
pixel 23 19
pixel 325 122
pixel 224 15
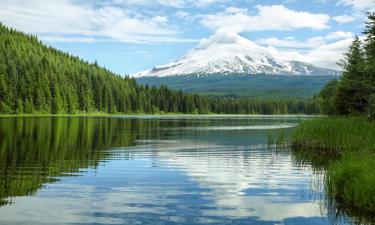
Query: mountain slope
pixel 259 86
pixel 232 53
pixel 35 78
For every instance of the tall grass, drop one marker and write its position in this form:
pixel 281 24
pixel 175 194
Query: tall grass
pixel 335 136
pixel 351 182
pixel 345 147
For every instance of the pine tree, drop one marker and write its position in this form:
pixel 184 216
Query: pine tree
pixel 370 47
pixel 352 91
pixel 370 63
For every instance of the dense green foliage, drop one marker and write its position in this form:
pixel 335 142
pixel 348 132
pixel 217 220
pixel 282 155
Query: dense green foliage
pixel 353 89
pixel 244 85
pixel 345 147
pixel 351 181
pixel 35 78
pixel 327 95
pixel 355 92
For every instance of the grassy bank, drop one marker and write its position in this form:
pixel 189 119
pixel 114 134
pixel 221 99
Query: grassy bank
pixel 335 136
pixel 345 147
pixel 351 182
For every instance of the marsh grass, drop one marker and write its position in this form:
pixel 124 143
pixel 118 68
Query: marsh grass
pixel 345 148
pixel 351 182
pixel 333 137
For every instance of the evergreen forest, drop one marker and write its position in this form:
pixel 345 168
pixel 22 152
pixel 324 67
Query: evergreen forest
pixel 39 79
pixel 354 92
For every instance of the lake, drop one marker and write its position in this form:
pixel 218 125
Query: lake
pixel 154 170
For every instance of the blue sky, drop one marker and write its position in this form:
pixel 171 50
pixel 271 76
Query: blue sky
pixel 128 36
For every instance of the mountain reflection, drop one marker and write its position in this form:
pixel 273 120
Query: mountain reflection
pixel 34 151
pixel 150 171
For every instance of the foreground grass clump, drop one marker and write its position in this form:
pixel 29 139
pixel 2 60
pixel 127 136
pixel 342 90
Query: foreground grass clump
pixel 345 147
pixel 351 182
pixel 334 136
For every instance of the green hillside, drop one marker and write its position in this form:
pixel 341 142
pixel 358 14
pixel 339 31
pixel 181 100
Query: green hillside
pixel 259 86
pixel 35 78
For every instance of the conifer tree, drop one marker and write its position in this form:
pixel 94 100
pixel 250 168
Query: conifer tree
pixel 370 62
pixel 370 47
pixel 352 94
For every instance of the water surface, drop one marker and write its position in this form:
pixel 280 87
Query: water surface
pixel 153 170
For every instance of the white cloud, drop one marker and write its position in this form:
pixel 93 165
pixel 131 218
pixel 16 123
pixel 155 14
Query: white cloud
pixel 182 14
pixel 329 54
pixel 68 20
pixel 358 4
pixel 339 35
pixel 344 19
pixel 292 43
pixel 170 3
pixel 239 20
pixel 326 55
pixel 320 51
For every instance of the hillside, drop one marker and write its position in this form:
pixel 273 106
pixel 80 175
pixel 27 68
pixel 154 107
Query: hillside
pixel 259 86
pixel 35 78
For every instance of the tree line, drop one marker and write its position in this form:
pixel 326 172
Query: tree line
pixel 354 92
pixel 35 78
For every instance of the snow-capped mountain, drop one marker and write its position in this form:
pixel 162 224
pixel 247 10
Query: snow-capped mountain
pixel 232 53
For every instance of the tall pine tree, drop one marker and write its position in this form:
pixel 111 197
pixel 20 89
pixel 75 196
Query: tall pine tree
pixel 352 91
pixel 370 62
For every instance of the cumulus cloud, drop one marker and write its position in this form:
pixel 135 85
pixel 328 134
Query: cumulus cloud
pixel 170 3
pixel 358 4
pixel 240 20
pixel 292 43
pixel 324 51
pixel 132 22
pixel 339 35
pixel 321 51
pixel 344 19
pixel 68 20
pixel 326 55
pixel 329 54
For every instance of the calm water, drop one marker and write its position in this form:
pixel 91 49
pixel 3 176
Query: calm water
pixel 153 170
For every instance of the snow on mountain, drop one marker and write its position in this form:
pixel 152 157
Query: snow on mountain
pixel 232 53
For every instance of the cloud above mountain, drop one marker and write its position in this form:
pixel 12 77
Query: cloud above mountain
pixel 241 20
pixel 166 29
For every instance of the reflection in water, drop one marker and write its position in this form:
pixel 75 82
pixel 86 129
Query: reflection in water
pixel 34 151
pixel 243 181
pixel 150 171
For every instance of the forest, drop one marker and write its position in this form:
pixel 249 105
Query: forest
pixel 354 92
pixel 39 79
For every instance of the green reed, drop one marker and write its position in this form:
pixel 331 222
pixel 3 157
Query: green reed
pixel 345 147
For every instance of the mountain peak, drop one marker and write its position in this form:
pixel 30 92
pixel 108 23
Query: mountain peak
pixel 225 53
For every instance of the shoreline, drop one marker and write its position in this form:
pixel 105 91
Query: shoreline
pixel 179 115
